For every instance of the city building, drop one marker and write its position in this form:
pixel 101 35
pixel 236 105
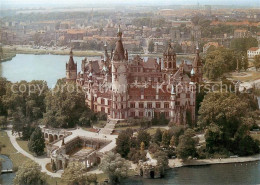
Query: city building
pixel 252 52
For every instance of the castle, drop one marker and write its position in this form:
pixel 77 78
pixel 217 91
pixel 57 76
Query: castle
pixel 134 88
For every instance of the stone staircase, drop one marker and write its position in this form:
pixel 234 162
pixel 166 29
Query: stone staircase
pixel 109 127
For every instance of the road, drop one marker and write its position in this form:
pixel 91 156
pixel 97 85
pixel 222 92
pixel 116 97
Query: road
pixel 42 161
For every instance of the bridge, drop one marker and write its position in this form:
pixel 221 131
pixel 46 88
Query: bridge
pixel 7 171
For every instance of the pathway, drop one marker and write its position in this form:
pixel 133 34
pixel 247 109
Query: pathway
pixel 109 127
pixel 42 161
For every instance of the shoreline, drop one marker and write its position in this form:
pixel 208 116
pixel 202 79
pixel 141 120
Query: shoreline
pixel 177 163
pixel 79 53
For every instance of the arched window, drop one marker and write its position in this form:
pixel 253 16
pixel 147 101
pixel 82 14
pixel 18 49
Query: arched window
pixel 170 65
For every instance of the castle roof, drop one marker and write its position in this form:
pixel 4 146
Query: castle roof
pixel 119 53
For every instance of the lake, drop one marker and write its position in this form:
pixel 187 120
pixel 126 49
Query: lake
pixel 37 67
pixel 6 179
pixel 219 174
pixel 52 67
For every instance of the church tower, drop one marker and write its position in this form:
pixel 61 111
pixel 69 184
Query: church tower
pixel 119 80
pixel 71 69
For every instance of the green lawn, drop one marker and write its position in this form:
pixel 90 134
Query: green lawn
pixel 124 128
pixel 152 131
pixel 10 151
pixel 24 145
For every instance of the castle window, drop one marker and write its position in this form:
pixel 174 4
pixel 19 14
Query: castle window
pixel 166 114
pixel 149 105
pixel 132 105
pixel 158 105
pixel 166 105
pixel 187 95
pixel 132 114
pixel 102 101
pixel 122 106
pixel 141 114
pixel 141 105
pixel 102 109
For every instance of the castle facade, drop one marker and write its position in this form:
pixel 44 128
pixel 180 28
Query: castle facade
pixel 134 88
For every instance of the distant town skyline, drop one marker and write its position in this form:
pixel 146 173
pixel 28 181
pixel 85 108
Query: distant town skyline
pixel 62 3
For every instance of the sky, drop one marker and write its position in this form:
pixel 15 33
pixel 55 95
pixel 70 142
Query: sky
pixel 62 3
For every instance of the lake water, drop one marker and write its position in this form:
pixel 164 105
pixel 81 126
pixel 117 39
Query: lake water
pixel 37 67
pixel 52 67
pixel 6 179
pixel 219 174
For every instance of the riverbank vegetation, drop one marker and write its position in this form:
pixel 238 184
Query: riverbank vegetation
pixel 6 54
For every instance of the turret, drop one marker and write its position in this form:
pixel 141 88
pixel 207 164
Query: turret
pixel 169 59
pixel 71 69
pixel 119 80
pixel 173 104
pixel 197 66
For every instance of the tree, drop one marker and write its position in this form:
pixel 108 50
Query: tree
pixel 36 143
pixel 162 160
pixel 228 119
pixel 151 46
pixel 176 132
pixel 64 108
pixel 76 174
pixel 115 167
pixel 244 62
pixel 123 143
pixel 214 139
pixel 37 39
pixel 187 145
pixel 172 141
pixel 157 137
pixel 143 136
pixel 29 173
pixel 3 121
pixel 257 62
pixel 27 132
pixel 166 138
pixel 243 44
pixel 224 109
pixel 220 61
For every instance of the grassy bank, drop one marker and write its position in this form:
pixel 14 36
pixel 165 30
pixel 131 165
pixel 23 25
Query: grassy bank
pixel 24 145
pixel 8 54
pixel 10 151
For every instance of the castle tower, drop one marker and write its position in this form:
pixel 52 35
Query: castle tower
pixel 169 62
pixel 169 58
pixel 173 104
pixel 119 80
pixel 71 69
pixel 197 66
pixel 192 91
